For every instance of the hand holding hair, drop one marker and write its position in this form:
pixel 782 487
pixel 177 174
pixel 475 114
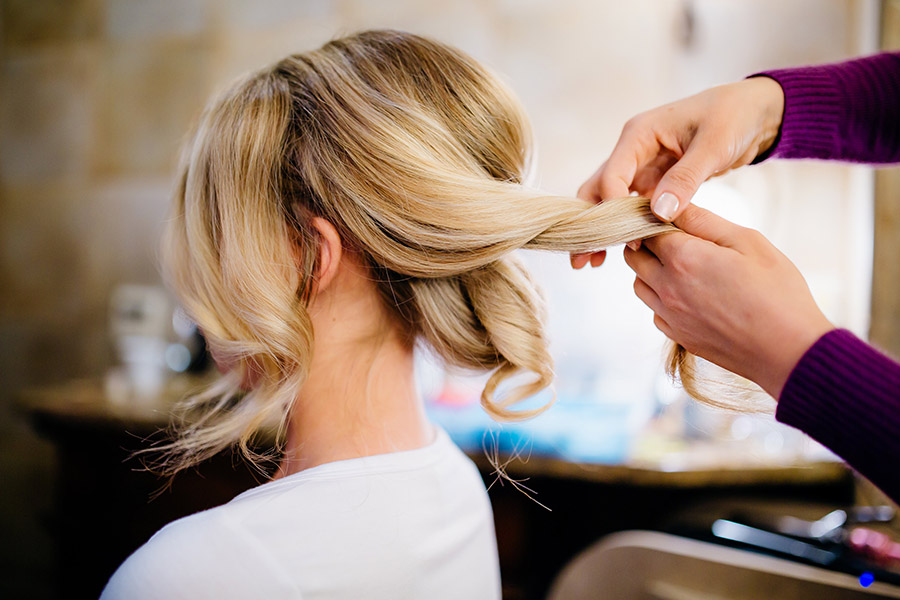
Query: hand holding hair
pixel 667 152
pixel 725 293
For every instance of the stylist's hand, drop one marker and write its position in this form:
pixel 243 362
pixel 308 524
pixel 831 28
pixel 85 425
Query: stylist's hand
pixel 667 152
pixel 727 294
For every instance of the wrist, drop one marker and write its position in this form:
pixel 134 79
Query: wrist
pixel 791 350
pixel 768 96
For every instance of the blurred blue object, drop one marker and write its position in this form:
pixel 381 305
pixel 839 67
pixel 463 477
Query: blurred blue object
pixel 573 430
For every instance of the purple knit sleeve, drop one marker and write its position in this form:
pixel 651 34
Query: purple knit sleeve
pixel 846 395
pixel 846 111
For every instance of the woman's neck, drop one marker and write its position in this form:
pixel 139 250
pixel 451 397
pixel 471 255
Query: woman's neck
pixel 360 400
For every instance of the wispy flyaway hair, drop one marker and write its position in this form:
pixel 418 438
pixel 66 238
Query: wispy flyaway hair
pixel 418 156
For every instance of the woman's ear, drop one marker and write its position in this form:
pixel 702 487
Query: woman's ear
pixel 330 253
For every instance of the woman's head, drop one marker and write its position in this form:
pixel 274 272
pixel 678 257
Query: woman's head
pixel 416 155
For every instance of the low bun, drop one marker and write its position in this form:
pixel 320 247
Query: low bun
pixel 510 307
pixel 490 318
pixel 446 320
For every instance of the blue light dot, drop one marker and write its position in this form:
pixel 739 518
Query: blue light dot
pixel 178 357
pixel 866 579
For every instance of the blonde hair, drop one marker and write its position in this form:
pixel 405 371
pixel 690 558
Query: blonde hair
pixel 417 155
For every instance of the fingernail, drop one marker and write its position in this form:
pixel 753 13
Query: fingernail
pixel 666 206
pixel 634 245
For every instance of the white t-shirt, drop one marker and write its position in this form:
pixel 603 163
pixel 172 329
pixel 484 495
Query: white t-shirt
pixel 413 524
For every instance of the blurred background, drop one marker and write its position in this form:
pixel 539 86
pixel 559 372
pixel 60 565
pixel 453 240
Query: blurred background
pixel 96 96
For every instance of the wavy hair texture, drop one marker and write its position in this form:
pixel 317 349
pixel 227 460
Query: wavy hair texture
pixel 417 155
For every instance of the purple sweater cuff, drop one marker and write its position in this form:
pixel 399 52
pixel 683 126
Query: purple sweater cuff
pixel 844 111
pixel 810 127
pixel 846 395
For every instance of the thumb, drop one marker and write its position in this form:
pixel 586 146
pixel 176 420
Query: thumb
pixel 701 223
pixel 676 188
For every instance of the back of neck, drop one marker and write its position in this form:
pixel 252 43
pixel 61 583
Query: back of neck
pixel 358 401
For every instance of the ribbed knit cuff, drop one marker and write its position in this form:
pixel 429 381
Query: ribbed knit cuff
pixel 838 366
pixel 846 395
pixel 842 111
pixel 810 127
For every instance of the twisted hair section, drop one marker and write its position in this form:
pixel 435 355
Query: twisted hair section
pixel 417 155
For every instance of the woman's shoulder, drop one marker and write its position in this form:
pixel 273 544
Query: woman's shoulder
pixel 198 556
pixel 376 513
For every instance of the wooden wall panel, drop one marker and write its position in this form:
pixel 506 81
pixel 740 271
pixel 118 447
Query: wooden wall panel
pixel 885 328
